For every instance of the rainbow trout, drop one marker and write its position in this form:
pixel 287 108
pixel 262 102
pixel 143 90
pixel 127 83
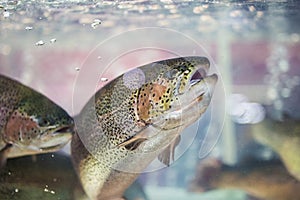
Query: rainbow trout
pixel 134 119
pixel 30 123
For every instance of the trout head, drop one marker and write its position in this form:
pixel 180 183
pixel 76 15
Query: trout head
pixel 178 96
pixel 37 125
pixel 177 92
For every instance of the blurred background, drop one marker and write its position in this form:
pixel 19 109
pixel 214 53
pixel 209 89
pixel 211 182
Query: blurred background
pixel 247 144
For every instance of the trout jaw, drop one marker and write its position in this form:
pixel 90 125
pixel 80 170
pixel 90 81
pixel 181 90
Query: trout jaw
pixel 54 139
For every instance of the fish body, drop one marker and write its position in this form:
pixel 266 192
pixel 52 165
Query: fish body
pixel 30 123
pixel 264 180
pixel 284 138
pixel 134 119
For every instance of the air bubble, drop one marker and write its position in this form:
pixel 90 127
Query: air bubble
pixel 252 8
pixel 77 68
pixel 272 93
pixel 28 28
pixel 6 14
pixel 278 105
pixel 286 92
pixel 53 40
pixel 103 79
pixel 95 23
pixel 283 65
pixel 40 43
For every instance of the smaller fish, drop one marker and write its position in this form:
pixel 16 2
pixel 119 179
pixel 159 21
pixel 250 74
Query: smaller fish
pixel 30 123
pixel 263 180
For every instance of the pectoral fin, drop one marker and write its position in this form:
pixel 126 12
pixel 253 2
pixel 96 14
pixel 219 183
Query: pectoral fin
pixel 167 156
pixel 3 155
pixel 136 140
pixel 132 143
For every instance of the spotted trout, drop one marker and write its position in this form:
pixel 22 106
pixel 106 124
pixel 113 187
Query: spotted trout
pixel 30 123
pixel 135 118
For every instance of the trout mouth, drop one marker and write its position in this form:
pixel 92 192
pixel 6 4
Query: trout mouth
pixel 54 138
pixel 64 130
pixel 197 76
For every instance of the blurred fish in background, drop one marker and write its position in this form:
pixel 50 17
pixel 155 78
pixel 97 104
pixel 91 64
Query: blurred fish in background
pixel 283 137
pixel 265 180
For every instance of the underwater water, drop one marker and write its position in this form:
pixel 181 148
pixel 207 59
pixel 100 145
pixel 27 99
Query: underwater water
pixel 246 143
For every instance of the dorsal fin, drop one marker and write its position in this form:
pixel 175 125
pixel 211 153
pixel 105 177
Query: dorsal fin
pixel 167 155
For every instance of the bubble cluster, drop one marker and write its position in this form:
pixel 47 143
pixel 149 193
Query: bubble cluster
pixel 280 83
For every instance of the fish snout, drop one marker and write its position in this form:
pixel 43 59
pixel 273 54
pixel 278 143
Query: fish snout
pixel 210 83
